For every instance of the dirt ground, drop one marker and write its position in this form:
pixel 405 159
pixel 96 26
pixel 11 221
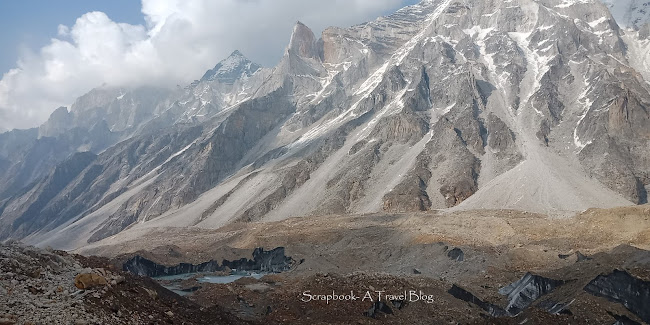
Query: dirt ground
pixel 397 243
pixel 282 299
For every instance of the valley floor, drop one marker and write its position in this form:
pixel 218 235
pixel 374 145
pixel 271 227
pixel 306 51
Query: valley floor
pixel 396 243
pixel 396 252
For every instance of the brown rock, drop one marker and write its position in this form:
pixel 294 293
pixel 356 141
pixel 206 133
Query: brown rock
pixel 7 321
pixel 152 293
pixel 86 281
pixel 35 273
pixel 34 290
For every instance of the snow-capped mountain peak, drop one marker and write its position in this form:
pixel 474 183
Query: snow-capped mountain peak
pixel 231 69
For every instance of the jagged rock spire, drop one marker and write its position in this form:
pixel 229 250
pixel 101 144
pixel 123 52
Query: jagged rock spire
pixel 303 41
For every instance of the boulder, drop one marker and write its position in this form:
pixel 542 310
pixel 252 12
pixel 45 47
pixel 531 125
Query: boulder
pixel 152 293
pixel 85 281
pixel 7 319
pixel 456 254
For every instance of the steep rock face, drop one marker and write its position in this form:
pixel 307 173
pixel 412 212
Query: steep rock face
pixel 293 178
pixel 59 122
pixel 622 136
pixel 303 42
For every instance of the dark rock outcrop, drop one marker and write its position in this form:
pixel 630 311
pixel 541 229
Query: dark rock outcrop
pixel 456 254
pixel 623 320
pixel 263 261
pixel 377 309
pixel 623 288
pixel 521 295
pixel 144 267
pixel 527 290
pixel 467 296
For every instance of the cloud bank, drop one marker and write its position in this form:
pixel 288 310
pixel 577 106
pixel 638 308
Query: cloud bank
pixel 180 41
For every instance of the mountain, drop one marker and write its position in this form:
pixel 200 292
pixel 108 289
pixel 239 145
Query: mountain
pixel 231 69
pixel 102 118
pixel 541 106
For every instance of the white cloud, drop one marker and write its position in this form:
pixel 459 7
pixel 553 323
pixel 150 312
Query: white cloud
pixel 180 41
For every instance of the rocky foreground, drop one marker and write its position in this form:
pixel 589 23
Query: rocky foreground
pixel 606 288
pixel 52 287
pixel 512 268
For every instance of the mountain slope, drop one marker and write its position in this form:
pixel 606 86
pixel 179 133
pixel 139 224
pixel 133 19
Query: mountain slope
pixel 534 105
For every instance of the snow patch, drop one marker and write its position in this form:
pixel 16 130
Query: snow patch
pixel 569 3
pixel 584 99
pixel 537 66
pixel 597 22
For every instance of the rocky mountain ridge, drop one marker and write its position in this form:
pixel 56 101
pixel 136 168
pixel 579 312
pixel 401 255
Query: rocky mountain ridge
pixel 540 106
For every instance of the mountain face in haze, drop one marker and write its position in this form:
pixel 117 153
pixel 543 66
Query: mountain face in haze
pixel 105 116
pixel 540 106
pixel 630 13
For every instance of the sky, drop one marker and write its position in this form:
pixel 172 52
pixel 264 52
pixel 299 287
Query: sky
pixel 56 51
